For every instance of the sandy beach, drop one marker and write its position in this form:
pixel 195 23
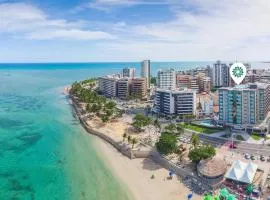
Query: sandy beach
pixel 136 175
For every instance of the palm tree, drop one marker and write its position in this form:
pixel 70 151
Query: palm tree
pixel 195 140
pixel 157 124
pixel 134 141
pixel 180 151
pixel 129 139
pixel 124 137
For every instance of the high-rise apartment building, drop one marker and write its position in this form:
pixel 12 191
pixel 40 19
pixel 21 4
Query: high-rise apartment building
pixel 123 88
pixel 139 88
pixel 108 85
pixel 220 74
pixel 145 71
pixel 166 79
pixel 129 72
pixel 178 102
pixel 244 105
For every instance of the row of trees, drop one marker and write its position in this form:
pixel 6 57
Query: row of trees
pixel 96 104
pixel 168 144
pixel 141 121
pixel 130 140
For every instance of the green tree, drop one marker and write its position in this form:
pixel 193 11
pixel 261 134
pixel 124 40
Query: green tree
pixel 157 124
pixel 153 80
pixel 201 153
pixel 134 141
pixel 167 143
pixel 195 140
pixel 124 137
pixel 175 129
pixel 105 118
pixel 140 121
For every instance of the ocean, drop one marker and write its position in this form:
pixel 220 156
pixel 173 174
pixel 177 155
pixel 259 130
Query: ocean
pixel 44 152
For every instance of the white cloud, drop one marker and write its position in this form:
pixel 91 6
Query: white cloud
pixel 27 21
pixel 107 5
pixel 74 34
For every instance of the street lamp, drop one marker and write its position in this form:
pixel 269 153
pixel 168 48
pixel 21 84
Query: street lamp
pixel 233 134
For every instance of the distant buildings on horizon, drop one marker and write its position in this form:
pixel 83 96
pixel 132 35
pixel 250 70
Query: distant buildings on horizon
pixel 179 92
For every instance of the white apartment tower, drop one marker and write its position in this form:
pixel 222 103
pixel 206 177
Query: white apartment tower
pixel 220 74
pixel 129 72
pixel 145 71
pixel 166 79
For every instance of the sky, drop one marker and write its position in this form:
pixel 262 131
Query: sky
pixel 133 30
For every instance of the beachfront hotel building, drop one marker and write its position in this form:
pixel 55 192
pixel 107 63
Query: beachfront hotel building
pixel 166 79
pixel 220 74
pixel 139 88
pixel 243 106
pixel 123 88
pixel 128 72
pixel 145 71
pixel 177 102
pixel 108 85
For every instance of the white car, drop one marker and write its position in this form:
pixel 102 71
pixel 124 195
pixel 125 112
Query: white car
pixel 247 156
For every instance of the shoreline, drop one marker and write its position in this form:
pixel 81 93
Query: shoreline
pixel 135 173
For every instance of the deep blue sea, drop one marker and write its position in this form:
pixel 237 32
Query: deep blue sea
pixel 44 152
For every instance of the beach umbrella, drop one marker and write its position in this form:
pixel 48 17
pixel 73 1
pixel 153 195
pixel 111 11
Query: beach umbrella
pixel 216 197
pixel 224 193
pixel 189 196
pixel 249 189
pixel 231 197
pixel 208 197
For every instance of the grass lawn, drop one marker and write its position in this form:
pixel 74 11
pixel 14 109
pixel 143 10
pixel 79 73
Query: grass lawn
pixel 258 137
pixel 200 129
pixel 240 137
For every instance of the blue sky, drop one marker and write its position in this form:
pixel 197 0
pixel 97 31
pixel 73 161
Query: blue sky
pixel 132 30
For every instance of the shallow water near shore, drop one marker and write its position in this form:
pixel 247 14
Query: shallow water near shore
pixel 44 152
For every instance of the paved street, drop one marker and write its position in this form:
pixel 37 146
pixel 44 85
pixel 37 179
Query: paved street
pixel 242 147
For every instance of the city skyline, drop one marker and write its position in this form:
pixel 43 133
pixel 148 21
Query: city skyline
pixel 129 30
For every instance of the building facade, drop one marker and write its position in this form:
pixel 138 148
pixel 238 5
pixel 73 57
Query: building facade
pixel 123 88
pixel 108 85
pixel 244 105
pixel 166 79
pixel 146 71
pixel 139 88
pixel 176 102
pixel 129 72
pixel 220 74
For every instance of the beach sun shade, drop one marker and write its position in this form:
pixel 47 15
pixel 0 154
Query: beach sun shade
pixel 231 197
pixel 249 189
pixel 224 193
pixel 208 197
pixel 216 197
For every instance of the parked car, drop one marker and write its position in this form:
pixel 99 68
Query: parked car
pixel 247 156
pixel 268 159
pixel 262 158
pixel 252 157
pixel 233 146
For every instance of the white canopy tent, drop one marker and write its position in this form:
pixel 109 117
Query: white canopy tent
pixel 242 172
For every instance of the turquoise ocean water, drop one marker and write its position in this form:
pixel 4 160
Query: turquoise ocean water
pixel 44 153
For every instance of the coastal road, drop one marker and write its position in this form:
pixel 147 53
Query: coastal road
pixel 242 147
